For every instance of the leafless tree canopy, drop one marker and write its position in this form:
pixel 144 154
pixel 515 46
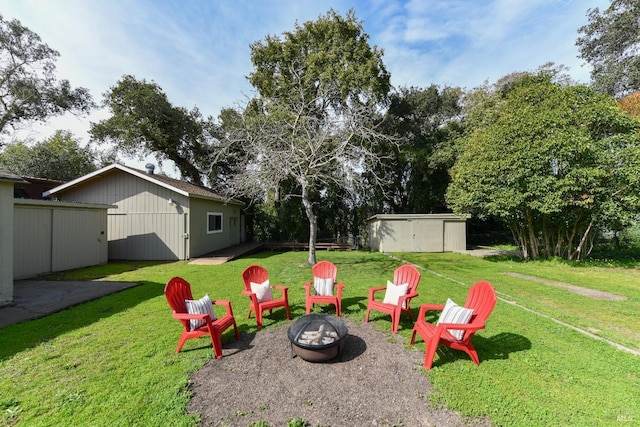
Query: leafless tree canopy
pixel 289 142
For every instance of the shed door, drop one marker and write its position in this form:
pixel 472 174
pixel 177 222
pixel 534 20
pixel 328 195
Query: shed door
pixel 455 236
pixel 427 235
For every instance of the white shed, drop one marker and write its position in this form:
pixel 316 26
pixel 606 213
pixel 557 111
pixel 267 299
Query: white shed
pixel 417 232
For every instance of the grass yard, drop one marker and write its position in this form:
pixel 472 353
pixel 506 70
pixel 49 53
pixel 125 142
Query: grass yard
pixel 111 362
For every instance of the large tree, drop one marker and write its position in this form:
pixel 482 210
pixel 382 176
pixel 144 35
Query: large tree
pixel 29 90
pixel 144 122
pixel 610 42
pixel 59 157
pixel 556 163
pixel 312 127
pixel 426 123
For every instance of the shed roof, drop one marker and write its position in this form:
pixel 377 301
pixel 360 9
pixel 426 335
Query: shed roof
pixel 406 217
pixel 180 187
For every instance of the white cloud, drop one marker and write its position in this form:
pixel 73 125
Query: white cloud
pixel 198 51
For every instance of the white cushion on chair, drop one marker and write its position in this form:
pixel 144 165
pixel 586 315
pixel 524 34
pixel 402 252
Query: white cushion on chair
pixel 394 292
pixel 200 306
pixel 262 291
pixel 323 287
pixel 453 313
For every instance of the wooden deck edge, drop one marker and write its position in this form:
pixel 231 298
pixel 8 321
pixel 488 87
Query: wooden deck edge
pixel 305 246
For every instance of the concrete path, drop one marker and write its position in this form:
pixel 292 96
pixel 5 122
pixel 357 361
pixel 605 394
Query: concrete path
pixel 33 299
pixel 226 254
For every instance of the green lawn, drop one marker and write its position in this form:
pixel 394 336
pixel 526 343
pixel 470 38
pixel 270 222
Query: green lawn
pixel 111 362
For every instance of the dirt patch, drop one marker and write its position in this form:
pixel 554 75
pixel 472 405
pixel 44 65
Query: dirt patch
pixel 378 382
pixel 590 293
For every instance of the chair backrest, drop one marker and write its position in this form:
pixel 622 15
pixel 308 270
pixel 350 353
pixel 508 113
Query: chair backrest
pixel 482 299
pixel 254 273
pixel 325 270
pixel 407 274
pixel 176 292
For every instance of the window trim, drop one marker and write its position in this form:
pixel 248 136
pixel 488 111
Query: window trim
pixel 216 214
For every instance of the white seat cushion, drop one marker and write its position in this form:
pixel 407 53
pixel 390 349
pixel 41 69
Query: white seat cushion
pixel 453 313
pixel 262 291
pixel 199 306
pixel 394 292
pixel 323 287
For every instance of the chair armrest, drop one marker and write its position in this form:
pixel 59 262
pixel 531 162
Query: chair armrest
pixel 226 304
pixel 407 296
pixel 372 291
pixel 340 287
pixel 307 288
pixel 253 297
pixel 404 300
pixel 189 316
pixel 429 307
pixel 462 326
pixel 282 289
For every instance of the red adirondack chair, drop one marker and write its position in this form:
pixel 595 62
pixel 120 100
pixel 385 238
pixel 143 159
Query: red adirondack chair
pixel 177 291
pixel 324 270
pixel 259 275
pixel 404 274
pixel 481 299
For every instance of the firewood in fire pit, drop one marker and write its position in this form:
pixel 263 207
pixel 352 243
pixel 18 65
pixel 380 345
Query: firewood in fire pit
pixel 319 337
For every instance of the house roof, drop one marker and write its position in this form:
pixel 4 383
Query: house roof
pixel 6 175
pixel 33 188
pixel 180 187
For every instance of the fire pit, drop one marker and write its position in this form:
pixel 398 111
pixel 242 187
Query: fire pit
pixel 317 337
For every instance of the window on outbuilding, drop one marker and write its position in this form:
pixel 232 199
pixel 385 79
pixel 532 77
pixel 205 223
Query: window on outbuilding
pixel 214 222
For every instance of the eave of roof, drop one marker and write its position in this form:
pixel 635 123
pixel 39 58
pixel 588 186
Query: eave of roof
pixel 175 185
pixel 404 217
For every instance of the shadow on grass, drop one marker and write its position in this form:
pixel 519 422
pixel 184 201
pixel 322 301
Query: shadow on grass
pixel 504 258
pixel 230 345
pixel 29 334
pixel 101 271
pixel 496 347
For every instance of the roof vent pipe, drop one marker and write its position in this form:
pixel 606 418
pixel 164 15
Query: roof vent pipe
pixel 150 167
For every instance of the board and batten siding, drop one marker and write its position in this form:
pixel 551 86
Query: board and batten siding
pixel 147 236
pixel 143 226
pixel 203 242
pixel 52 236
pixel 6 241
pixel 416 232
pixel 32 246
pixel 129 193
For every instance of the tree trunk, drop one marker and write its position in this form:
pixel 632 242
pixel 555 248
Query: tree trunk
pixel 518 236
pixel 547 238
pixel 533 240
pixel 313 224
pixel 581 253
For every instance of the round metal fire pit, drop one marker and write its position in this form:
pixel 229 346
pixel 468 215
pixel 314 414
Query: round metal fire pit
pixel 317 337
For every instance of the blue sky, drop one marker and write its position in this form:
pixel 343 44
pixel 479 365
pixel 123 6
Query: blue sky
pixel 198 50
